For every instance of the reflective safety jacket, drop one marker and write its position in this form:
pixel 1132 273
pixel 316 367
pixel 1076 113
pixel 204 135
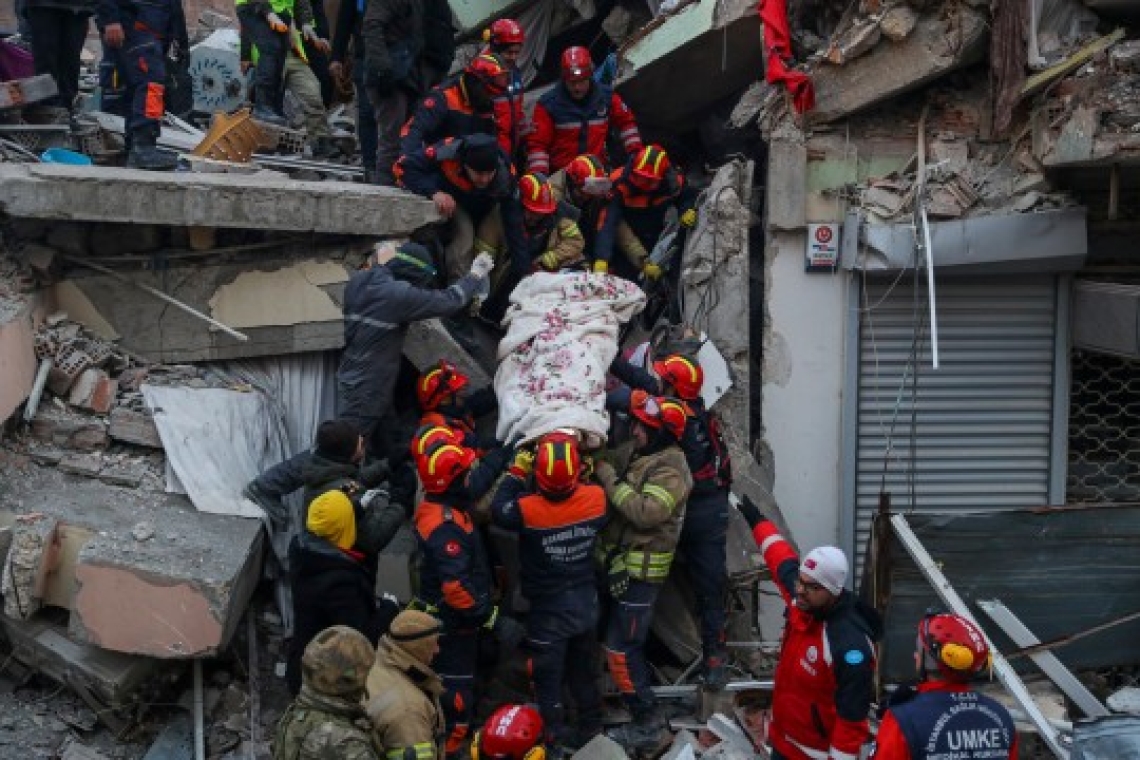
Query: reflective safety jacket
pixel 939 719
pixel 556 242
pixel 402 703
pixel 648 510
pixel 643 212
pixel 827 664
pixel 445 111
pixel 455 577
pixel 556 538
pixel 565 128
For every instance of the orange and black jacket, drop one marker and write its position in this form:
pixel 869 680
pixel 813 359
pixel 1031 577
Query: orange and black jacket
pixel 643 212
pixel 445 111
pixel 455 575
pixel 437 168
pixel 556 538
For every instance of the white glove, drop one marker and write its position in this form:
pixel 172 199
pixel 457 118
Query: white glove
pixel 482 266
pixel 370 496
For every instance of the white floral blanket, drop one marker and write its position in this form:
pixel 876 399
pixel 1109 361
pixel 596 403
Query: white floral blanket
pixel 562 333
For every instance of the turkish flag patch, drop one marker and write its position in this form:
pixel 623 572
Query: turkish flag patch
pixel 429 102
pixel 452 548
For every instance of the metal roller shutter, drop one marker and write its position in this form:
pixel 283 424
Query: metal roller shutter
pixel 982 422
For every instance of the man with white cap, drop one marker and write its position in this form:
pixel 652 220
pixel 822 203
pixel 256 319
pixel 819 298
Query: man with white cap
pixel 827 659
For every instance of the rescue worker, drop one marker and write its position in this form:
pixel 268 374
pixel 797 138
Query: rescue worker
pixel 379 302
pixel 824 678
pixel 557 518
pixel 478 480
pixel 58 31
pixel 468 180
pixel 941 716
pixel 393 35
pixel 643 191
pixel 552 238
pixel 455 582
pixel 705 530
pixel 267 24
pixel 403 691
pixel 577 116
pixel 505 38
pixel 321 722
pixel 512 732
pixel 438 394
pixel 459 107
pixel 137 37
pixel 349 21
pixel 331 585
pixel 648 503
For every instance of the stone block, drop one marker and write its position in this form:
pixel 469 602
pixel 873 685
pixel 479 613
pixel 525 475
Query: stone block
pixel 897 23
pixel 69 430
pixel 123 474
pixel 88 465
pixel 94 391
pixel 130 426
pixel 22 582
pixel 601 747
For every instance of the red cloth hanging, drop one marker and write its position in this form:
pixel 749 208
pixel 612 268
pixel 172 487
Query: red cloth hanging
pixel 778 49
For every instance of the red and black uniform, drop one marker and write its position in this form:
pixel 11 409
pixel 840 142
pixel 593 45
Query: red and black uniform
pixel 556 548
pixel 455 586
pixel 827 664
pixel 438 168
pixel 941 719
pixel 704 534
pixel 565 128
pixel 445 111
pixel 643 212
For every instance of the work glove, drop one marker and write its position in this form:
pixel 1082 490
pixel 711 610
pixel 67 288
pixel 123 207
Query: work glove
pixel 587 468
pixel 651 271
pixel 275 23
pixel 548 261
pixel 506 630
pixel 601 266
pixel 750 511
pixel 523 464
pixel 689 218
pixel 373 495
pixel 311 36
pixel 482 266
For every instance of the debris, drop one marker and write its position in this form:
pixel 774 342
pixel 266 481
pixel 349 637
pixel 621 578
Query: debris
pixel 232 137
pixel 82 464
pixel 898 22
pixel 730 732
pixel 1071 64
pixel 131 426
pixel 1126 700
pixel 73 749
pixel 601 747
pixel 863 36
pixel 21 92
pixel 176 740
pixel 93 391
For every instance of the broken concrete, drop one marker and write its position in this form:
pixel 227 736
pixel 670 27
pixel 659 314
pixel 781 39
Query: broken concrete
pixel 17 356
pixel 132 426
pixel 177 595
pixel 56 191
pixel 941 42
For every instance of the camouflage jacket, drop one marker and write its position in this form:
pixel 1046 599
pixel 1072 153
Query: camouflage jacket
pixel 322 727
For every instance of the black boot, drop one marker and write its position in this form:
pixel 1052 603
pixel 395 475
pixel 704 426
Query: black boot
pixel 642 734
pixel 145 153
pixel 265 110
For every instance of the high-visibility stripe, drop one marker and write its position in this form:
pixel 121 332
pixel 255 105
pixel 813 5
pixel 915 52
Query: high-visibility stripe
pixel 814 754
pixel 661 494
pixel 622 493
pixel 838 754
pixel 619 669
pixel 768 542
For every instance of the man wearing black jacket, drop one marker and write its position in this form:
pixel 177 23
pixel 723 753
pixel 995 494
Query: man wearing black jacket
pixel 59 28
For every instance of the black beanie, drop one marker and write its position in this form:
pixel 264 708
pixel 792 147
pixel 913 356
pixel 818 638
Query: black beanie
pixel 413 263
pixel 480 153
pixel 337 440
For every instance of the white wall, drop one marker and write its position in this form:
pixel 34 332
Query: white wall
pixel 802 389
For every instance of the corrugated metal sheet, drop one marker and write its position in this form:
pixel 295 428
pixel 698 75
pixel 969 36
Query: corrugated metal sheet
pixel 982 422
pixel 1061 570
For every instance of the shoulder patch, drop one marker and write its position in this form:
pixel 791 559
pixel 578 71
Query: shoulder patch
pixel 854 657
pixel 429 102
pixel 453 549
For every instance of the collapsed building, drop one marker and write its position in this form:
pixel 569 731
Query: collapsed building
pixel 920 286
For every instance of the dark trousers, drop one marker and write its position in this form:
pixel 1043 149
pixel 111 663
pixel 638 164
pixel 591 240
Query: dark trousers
pixel 630 616
pixel 366 133
pixel 455 664
pixel 391 111
pixel 561 645
pixel 318 61
pixel 57 40
pixel 702 544
pixel 142 67
pixel 272 47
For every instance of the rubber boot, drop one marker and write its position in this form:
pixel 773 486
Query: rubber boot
pixel 145 154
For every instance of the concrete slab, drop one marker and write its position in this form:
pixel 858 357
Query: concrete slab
pixel 17 356
pixel 940 43
pixel 721 40
pixel 179 593
pixel 253 201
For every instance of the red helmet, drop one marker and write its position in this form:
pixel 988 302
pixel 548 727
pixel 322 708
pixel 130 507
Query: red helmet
pixel 513 732
pixel 651 163
pixel 503 33
pixel 557 465
pixel 489 69
pixel 954 645
pixel 430 436
pixel 537 196
pixel 587 173
pixel 576 64
pixel 659 413
pixel 438 383
pixel 685 375
pixel 439 469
